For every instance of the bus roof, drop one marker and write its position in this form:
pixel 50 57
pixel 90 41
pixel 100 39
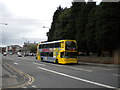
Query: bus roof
pixel 50 42
pixel 55 41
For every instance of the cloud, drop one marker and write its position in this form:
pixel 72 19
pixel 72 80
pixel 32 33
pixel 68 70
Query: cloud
pixel 4 12
pixel 16 30
pixel 26 18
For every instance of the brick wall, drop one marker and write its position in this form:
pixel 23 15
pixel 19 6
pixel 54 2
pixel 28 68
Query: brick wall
pixel 91 59
pixel 117 56
pixel 103 60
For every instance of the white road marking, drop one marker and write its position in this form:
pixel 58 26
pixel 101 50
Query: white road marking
pixel 34 86
pixel 15 63
pixel 81 69
pixel 101 68
pixel 72 67
pixel 73 77
pixel 116 75
pixel 39 64
pixel 55 65
pixel 25 59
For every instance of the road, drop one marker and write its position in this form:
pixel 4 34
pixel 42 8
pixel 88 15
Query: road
pixel 50 75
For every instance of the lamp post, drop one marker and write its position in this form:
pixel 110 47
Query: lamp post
pixel 25 46
pixel 3 24
pixel 1 33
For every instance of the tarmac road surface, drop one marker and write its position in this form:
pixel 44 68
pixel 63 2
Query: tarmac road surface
pixel 50 75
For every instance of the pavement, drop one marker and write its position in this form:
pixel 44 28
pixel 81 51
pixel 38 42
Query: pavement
pixel 101 65
pixel 7 78
pixel 11 78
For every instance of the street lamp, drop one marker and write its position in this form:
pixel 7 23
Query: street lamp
pixel 46 27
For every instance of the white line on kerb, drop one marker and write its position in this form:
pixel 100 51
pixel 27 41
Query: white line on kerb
pixel 73 77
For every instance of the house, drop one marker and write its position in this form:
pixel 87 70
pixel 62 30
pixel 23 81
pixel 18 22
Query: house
pixel 13 49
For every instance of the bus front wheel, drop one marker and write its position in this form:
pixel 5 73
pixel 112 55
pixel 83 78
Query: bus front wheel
pixel 56 61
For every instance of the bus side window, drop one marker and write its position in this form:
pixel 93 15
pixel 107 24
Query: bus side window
pixel 47 46
pixel 57 45
pixel 50 45
pixel 44 46
pixel 50 54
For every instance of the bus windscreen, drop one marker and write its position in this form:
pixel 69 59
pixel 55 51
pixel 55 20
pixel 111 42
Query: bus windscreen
pixel 70 45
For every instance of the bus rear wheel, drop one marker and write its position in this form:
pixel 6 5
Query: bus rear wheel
pixel 41 59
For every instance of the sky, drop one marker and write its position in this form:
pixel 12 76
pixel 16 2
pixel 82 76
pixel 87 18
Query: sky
pixel 25 19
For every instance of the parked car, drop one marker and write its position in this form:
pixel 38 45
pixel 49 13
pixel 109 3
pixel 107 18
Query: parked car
pixel 19 54
pixel 11 53
pixel 31 54
pixel 4 54
pixel 25 54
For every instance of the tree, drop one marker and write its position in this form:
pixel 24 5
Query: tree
pixel 94 27
pixel 80 24
pixel 108 33
pixel 90 31
pixel 33 48
pixel 54 25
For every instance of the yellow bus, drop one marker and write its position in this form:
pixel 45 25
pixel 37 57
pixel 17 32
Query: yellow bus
pixel 61 51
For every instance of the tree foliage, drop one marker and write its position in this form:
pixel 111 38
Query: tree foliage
pixel 33 48
pixel 94 27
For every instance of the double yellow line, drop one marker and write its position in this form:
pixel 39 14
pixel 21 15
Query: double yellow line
pixel 29 78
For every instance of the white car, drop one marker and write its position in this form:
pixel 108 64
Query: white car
pixel 4 54
pixel 19 54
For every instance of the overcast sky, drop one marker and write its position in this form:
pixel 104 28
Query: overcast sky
pixel 26 18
